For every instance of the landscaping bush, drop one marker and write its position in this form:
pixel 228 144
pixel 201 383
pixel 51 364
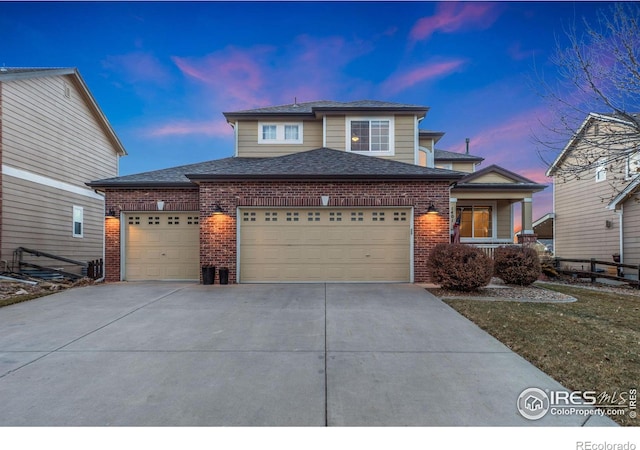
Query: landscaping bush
pixel 517 264
pixel 460 267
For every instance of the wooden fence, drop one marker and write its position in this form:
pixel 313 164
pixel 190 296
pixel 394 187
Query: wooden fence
pixel 615 273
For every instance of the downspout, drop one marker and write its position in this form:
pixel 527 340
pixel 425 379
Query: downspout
pixel 621 251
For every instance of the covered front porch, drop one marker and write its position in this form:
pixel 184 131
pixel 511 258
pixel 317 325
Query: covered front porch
pixel 482 207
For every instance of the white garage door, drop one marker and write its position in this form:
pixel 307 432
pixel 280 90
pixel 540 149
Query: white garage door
pixel 297 245
pixel 162 246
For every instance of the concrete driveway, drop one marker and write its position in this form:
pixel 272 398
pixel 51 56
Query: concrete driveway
pixel 167 354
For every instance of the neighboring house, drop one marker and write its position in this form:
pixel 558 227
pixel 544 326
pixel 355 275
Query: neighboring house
pixel 53 139
pixel 596 209
pixel 318 191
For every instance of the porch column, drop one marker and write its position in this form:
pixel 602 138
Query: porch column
pixel 453 203
pixel 526 233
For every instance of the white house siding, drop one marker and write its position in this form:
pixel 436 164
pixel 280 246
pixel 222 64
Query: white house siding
pixel 46 133
pixel 41 218
pixel 631 219
pixel 248 139
pixel 581 220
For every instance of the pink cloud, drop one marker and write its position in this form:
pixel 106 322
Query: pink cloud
pixel 454 16
pixel 403 80
pixel 181 128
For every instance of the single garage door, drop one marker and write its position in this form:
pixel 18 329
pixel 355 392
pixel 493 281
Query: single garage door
pixel 162 246
pixel 298 245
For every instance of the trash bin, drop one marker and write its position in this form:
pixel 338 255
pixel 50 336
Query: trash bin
pixel 208 274
pixel 224 275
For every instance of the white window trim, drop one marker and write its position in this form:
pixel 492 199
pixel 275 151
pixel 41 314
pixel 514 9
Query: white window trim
pixel 390 152
pixel 80 210
pixel 447 166
pixel 494 221
pixel 280 133
pixel 635 155
pixel 601 171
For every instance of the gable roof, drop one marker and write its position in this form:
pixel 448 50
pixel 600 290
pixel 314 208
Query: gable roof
pixel 624 195
pixel 318 164
pixel 314 109
pixel 519 182
pixel 444 155
pixel 23 73
pixel 592 117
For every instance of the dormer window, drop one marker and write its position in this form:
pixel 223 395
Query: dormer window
pixel 371 135
pixel 280 133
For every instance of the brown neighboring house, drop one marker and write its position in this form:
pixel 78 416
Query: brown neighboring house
pixel 53 139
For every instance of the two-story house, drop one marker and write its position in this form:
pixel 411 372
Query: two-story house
pixel 596 180
pixel 319 191
pixel 53 139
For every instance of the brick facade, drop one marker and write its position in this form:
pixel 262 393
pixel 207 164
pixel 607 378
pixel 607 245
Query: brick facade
pixel 218 241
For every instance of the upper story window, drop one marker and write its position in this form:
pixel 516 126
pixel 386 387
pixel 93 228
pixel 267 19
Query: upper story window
pixel 370 135
pixel 633 164
pixel 280 133
pixel 601 171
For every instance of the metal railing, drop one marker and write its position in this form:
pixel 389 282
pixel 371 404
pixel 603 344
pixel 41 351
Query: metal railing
pixel 92 269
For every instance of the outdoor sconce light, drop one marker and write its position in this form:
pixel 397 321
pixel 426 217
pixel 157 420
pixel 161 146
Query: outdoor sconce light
pixel 217 209
pixel 160 205
pixel 325 200
pixel 111 213
pixel 431 210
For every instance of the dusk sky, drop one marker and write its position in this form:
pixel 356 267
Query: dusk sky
pixel 163 72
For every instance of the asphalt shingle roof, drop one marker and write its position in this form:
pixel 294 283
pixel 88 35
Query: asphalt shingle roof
pixel 322 163
pixel 444 155
pixel 311 107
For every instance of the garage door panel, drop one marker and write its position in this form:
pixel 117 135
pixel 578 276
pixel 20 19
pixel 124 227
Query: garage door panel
pixel 325 245
pixel 162 246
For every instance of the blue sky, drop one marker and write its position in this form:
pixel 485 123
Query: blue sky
pixel 164 72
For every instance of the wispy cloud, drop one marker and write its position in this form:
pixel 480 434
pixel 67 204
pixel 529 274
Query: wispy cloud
pixel 402 80
pixel 139 67
pixel 451 17
pixel 182 128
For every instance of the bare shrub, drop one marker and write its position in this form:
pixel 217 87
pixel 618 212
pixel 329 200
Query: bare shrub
pixel 517 264
pixel 460 267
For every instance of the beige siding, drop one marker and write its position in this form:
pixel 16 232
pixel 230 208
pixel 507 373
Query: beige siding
pixel 41 218
pixel 50 134
pixel 248 140
pixel 581 217
pixel 492 178
pixel 405 139
pixel 504 226
pixel 462 167
pixel 336 138
pixel 631 221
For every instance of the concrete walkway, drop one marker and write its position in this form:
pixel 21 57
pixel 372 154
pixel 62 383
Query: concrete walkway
pixel 168 354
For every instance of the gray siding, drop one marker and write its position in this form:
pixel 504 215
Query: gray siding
pixel 47 133
pixel 581 217
pixel 631 222
pixel 41 218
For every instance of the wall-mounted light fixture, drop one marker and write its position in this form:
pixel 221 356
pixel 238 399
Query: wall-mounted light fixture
pixel 325 200
pixel 160 205
pixel 432 210
pixel 110 213
pixel 217 209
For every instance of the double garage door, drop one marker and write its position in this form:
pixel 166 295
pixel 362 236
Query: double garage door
pixel 298 245
pixel 278 245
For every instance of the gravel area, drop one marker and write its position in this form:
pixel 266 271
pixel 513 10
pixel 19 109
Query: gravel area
pixel 498 291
